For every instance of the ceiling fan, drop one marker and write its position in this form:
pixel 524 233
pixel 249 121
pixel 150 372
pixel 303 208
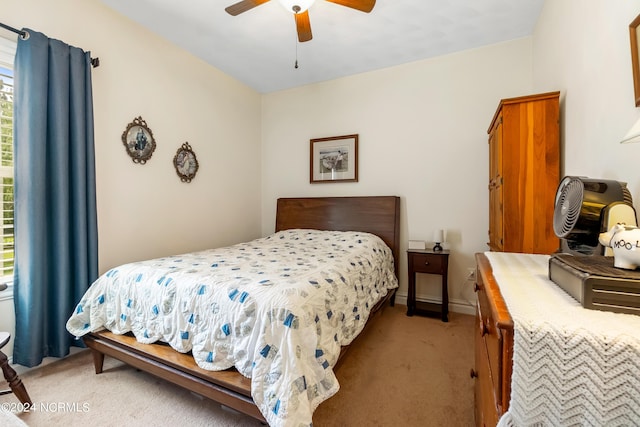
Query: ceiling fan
pixel 300 11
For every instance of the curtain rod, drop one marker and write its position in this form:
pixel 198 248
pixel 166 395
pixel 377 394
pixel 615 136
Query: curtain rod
pixel 95 62
pixel 21 33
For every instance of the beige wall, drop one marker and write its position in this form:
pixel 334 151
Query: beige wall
pixel 422 136
pixel 423 125
pixel 585 53
pixel 144 210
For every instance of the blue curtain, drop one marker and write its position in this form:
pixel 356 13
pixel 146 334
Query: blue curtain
pixel 56 237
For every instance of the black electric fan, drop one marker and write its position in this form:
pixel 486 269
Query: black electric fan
pixel 585 207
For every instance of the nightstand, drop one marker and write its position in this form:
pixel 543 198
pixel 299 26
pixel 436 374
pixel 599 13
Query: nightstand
pixel 428 262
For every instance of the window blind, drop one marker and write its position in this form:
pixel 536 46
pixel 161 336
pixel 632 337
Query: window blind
pixel 6 162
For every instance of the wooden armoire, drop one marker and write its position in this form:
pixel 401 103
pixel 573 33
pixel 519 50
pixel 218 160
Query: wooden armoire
pixel 524 173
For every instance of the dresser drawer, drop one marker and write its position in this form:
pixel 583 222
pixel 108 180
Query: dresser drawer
pixel 494 344
pixel 427 263
pixel 486 407
pixel 492 338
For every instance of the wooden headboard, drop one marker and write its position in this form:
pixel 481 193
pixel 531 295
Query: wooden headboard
pixel 379 215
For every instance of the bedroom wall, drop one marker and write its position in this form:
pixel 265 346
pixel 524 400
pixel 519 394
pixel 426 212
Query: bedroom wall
pixel 422 136
pixel 585 53
pixel 145 210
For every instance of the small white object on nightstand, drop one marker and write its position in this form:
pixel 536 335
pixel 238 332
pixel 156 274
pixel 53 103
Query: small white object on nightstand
pixel 417 244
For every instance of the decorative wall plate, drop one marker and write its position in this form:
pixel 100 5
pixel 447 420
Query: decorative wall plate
pixel 138 140
pixel 185 163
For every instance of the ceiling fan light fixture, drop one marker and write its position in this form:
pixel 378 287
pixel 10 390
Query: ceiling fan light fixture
pixel 296 6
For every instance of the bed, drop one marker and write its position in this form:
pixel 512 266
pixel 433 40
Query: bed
pixel 279 395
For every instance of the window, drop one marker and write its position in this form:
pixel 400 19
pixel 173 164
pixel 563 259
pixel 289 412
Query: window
pixel 7 53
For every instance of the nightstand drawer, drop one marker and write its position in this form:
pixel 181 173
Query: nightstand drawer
pixel 426 263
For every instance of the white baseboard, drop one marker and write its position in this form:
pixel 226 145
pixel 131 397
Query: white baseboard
pixel 22 369
pixel 455 306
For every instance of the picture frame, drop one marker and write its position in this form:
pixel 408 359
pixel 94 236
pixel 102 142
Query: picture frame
pixel 138 140
pixel 334 159
pixel 634 35
pixel 186 163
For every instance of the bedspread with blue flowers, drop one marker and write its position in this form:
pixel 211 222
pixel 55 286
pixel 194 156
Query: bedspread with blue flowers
pixel 278 309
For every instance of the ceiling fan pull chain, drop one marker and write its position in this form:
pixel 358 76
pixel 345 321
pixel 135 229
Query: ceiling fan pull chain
pixel 296 65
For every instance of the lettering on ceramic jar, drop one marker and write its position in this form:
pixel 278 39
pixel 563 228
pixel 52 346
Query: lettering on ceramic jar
pixel 627 245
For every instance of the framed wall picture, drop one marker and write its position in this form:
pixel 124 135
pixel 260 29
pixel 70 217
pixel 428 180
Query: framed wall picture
pixel 635 58
pixel 334 159
pixel 138 140
pixel 186 163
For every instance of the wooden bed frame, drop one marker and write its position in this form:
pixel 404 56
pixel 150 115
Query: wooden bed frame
pixel 379 215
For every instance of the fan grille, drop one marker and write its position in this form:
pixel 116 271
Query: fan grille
pixel 569 202
pixel 626 194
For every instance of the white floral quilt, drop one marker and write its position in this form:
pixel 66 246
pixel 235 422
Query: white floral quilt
pixel 277 308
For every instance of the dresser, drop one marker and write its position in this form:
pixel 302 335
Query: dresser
pixel 524 173
pixel 543 359
pixel 493 348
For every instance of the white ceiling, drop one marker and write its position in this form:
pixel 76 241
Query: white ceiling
pixel 259 47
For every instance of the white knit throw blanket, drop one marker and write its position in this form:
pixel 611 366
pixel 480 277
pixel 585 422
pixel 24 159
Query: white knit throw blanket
pixel 571 366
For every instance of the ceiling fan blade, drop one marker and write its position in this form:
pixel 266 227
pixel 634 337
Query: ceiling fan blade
pixel 361 5
pixel 304 26
pixel 243 6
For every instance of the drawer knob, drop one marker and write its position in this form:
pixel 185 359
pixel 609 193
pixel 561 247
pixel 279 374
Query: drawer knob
pixel 473 373
pixel 426 263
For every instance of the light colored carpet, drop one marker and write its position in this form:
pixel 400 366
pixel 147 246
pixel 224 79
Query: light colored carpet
pixel 409 371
